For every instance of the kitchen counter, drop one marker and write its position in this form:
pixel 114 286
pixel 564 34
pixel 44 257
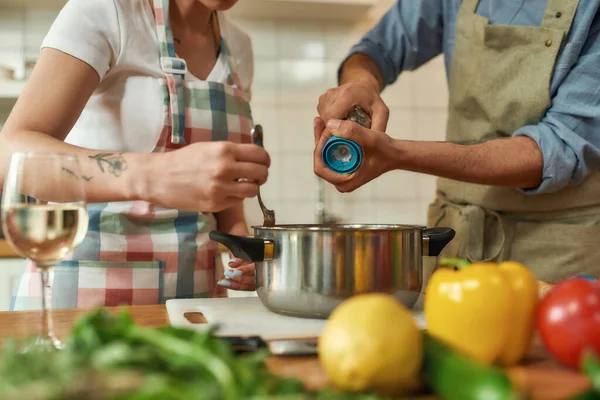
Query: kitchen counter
pixel 539 376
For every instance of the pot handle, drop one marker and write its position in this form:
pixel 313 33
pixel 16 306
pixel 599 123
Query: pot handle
pixel 435 239
pixel 247 248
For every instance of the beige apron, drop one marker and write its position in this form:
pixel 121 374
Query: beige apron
pixel 499 82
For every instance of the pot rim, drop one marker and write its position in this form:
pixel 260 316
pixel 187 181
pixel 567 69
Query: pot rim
pixel 338 227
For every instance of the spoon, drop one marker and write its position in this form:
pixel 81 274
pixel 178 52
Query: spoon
pixel 268 215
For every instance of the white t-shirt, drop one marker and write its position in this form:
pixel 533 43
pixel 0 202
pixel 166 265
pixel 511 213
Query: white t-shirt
pixel 118 39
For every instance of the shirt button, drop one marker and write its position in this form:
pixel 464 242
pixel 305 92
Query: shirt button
pixel 548 43
pixel 558 14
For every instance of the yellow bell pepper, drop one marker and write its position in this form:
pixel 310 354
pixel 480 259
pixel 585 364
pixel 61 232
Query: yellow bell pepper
pixel 486 310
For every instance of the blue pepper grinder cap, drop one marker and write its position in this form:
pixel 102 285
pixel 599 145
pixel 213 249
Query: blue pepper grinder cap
pixel 341 155
pixel 591 278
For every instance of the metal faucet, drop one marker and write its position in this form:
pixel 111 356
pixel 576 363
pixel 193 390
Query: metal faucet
pixel 322 216
pixel 359 116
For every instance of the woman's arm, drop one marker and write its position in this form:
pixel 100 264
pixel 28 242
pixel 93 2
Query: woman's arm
pixel 207 181
pixel 46 111
pixel 233 221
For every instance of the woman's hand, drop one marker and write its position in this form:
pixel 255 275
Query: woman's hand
pixel 377 147
pixel 205 177
pixel 241 276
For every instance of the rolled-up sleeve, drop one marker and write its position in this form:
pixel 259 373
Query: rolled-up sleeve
pixel 569 134
pixel 408 35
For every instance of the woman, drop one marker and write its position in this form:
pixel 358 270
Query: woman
pixel 153 98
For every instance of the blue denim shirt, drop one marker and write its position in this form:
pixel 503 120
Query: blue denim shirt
pixel 414 31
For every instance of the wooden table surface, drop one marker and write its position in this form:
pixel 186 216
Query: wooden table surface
pixel 5 250
pixel 539 375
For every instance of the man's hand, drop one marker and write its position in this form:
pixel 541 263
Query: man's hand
pixel 377 157
pixel 337 102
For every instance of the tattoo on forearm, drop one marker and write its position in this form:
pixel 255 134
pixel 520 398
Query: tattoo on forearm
pixel 86 178
pixel 115 163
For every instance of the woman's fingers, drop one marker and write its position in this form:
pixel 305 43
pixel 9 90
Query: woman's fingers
pixel 233 285
pixel 238 262
pixel 252 153
pixel 251 172
pixel 239 190
pixel 240 276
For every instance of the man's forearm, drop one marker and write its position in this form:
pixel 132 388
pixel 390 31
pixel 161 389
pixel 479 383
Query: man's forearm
pixel 514 162
pixel 360 67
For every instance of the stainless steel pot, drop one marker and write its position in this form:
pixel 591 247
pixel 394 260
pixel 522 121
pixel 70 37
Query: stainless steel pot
pixel 307 270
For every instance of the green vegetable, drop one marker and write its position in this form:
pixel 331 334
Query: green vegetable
pixel 454 376
pixel 108 357
pixel 588 395
pixel 456 263
pixel 590 367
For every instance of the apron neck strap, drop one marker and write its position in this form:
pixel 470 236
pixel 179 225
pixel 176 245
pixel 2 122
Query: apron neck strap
pixel 560 14
pixel 169 62
pixel 163 29
pixel 233 78
pixel 174 69
pixel 470 6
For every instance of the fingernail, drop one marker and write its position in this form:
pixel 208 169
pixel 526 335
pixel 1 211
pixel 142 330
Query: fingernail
pixel 334 123
pixel 232 260
pixel 224 283
pixel 233 273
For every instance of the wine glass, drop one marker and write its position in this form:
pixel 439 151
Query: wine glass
pixel 44 218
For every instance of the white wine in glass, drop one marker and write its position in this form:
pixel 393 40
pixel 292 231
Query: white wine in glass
pixel 44 218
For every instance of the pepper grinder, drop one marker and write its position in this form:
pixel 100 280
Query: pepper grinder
pixel 344 156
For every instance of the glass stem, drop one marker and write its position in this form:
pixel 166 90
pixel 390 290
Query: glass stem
pixel 47 326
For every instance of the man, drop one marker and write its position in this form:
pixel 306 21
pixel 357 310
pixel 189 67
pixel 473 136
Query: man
pixel 519 172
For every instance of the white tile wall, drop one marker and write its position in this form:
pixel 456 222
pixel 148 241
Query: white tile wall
pixel 300 61
pixel 295 62
pixel 10 271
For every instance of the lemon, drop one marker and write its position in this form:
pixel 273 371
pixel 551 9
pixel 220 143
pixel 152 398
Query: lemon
pixel 371 342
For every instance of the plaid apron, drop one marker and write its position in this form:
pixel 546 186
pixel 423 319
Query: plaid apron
pixel 136 252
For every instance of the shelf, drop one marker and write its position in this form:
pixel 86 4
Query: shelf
pixel 22 4
pixel 11 89
pixel 343 10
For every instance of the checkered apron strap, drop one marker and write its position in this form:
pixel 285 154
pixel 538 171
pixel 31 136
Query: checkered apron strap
pixel 234 78
pixel 174 69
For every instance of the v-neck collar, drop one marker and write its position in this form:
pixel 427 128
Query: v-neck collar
pixel 219 70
